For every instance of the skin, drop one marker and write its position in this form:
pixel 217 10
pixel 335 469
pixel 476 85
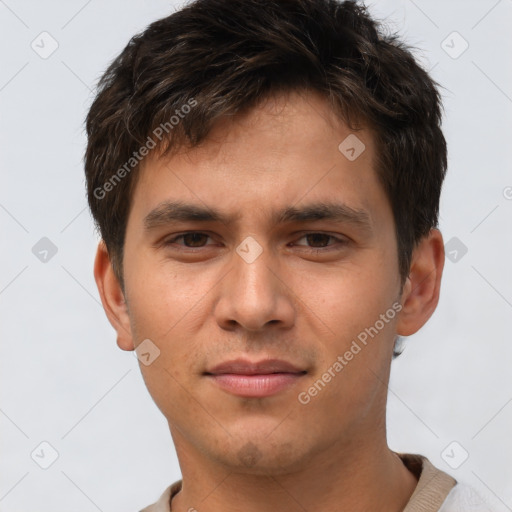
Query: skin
pixel 208 305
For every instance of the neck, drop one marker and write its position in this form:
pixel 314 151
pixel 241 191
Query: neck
pixel 357 478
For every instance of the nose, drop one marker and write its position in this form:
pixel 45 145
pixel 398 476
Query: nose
pixel 254 296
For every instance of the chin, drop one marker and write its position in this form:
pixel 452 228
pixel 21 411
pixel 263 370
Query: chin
pixel 261 457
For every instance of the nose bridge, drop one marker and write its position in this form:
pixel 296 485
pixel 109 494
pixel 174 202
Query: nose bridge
pixel 252 296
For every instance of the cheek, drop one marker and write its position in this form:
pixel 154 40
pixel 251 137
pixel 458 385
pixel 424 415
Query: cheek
pixel 163 296
pixel 346 300
pixel 166 318
pixel 346 318
pixel 162 307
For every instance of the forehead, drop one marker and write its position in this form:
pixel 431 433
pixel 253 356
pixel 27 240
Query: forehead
pixel 288 149
pixel 289 124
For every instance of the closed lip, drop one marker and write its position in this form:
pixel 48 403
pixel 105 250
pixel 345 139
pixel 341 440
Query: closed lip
pixel 246 367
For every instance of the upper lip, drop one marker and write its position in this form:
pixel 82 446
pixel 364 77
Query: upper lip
pixel 245 367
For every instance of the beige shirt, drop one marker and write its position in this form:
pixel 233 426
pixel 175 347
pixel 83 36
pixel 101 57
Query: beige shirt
pixel 431 491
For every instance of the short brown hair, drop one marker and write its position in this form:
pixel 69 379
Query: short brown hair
pixel 225 56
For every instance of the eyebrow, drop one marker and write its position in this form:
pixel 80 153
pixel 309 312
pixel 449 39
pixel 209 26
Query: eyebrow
pixel 168 212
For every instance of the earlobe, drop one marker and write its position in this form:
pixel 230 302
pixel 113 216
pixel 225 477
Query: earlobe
pixel 112 297
pixel 421 290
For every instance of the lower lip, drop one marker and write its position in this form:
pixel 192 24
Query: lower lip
pixel 255 386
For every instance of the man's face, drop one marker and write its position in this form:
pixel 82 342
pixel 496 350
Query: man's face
pixel 254 287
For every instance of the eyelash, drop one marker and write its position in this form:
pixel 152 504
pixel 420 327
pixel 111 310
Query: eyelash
pixel 341 241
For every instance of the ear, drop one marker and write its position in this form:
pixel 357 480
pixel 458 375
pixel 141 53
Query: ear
pixel 420 294
pixel 112 297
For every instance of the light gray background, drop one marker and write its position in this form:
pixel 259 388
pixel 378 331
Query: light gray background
pixel 64 381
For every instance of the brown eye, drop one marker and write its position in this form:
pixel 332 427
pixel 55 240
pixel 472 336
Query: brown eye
pixel 318 239
pixel 321 241
pixel 192 240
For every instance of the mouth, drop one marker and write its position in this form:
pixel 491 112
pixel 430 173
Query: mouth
pixel 255 379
